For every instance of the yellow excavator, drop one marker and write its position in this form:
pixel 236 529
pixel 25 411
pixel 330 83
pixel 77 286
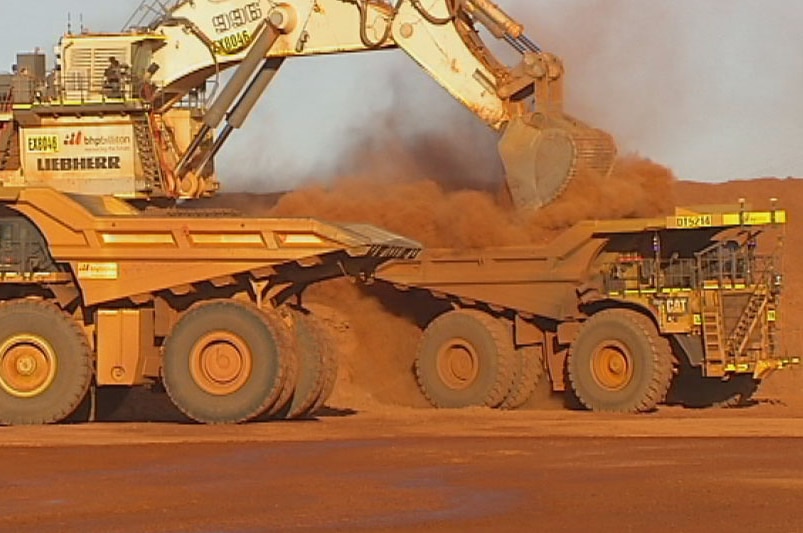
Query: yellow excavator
pixel 138 114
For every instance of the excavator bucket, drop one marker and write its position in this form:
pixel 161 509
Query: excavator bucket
pixel 542 154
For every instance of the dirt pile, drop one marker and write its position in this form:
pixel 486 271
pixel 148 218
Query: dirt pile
pixel 436 211
pixel 378 343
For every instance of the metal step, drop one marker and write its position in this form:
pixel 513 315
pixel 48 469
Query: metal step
pixel 715 354
pixel 741 334
pixel 146 150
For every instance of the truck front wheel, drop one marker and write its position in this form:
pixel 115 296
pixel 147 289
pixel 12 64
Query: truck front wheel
pixel 465 358
pixel 45 363
pixel 619 363
pixel 225 362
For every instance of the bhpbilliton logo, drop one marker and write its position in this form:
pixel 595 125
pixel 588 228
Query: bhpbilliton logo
pixel 74 138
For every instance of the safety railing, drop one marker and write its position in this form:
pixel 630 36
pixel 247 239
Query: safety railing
pixel 635 274
pixel 150 13
pixel 722 266
pixel 76 88
pixel 6 102
pixel 725 262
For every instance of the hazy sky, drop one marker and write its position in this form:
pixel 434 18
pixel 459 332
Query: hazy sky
pixel 711 88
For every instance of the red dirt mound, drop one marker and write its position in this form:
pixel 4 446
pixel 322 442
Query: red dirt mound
pixel 381 344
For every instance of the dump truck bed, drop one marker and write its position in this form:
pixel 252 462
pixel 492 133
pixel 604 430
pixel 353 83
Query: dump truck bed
pixel 116 251
pixel 545 280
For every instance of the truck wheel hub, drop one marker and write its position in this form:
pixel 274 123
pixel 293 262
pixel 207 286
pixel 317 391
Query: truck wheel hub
pixel 220 363
pixel 28 366
pixel 458 364
pixel 612 366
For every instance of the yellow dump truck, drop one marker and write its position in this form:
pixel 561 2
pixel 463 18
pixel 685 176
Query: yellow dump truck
pixel 95 291
pixel 621 314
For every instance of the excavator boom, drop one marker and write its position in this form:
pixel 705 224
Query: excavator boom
pixel 174 49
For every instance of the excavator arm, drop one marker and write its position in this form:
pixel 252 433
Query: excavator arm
pixel 542 148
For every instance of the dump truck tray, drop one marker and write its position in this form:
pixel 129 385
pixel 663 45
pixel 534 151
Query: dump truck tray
pixel 114 251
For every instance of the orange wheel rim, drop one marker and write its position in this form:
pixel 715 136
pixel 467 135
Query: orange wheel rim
pixel 612 366
pixel 458 364
pixel 221 363
pixel 27 366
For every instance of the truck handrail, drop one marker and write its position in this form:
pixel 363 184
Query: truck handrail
pixel 716 267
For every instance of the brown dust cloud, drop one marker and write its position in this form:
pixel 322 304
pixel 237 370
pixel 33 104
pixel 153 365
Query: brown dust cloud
pixel 428 189
pixel 445 189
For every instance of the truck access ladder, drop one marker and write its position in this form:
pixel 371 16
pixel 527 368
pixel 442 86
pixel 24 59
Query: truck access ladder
pixel 713 333
pixel 738 339
pixel 151 169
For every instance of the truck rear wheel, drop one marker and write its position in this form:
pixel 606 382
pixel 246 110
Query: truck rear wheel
pixel 292 363
pixel 224 362
pixel 619 363
pixel 329 369
pixel 465 358
pixel 45 363
pixel 529 371
pixel 309 347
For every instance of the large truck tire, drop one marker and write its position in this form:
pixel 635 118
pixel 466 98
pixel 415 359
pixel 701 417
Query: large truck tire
pixel 619 363
pixel 739 391
pixel 45 363
pixel 690 389
pixel 329 360
pixel 310 371
pixel 225 362
pixel 284 333
pixel 465 358
pixel 529 373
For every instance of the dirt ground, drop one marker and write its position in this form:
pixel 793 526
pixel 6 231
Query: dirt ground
pixel 412 470
pixel 378 459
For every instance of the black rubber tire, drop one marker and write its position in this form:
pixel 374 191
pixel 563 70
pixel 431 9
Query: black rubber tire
pixel 637 349
pixel 742 388
pixel 330 368
pixel 693 391
pixel 69 348
pixel 240 323
pixel 108 399
pixel 284 339
pixel 529 374
pixel 310 347
pixel 476 338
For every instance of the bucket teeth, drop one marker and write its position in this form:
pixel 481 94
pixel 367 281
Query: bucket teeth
pixel 596 152
pixel 543 156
